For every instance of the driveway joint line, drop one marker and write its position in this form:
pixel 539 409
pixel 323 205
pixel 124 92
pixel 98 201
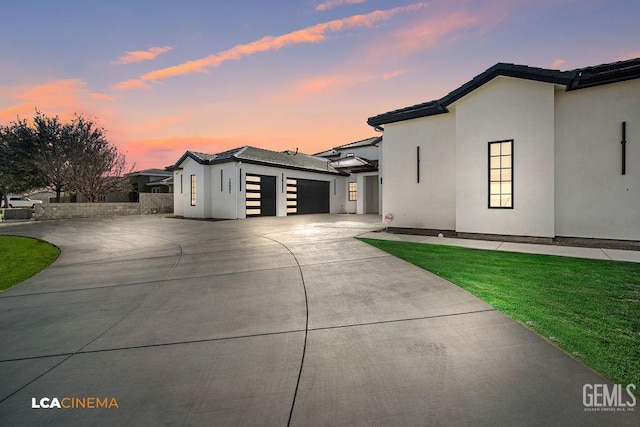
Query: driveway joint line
pixel 168 344
pixel 410 319
pixel 135 307
pixel 306 328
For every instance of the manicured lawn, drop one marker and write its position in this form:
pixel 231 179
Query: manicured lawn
pixel 22 257
pixel 589 308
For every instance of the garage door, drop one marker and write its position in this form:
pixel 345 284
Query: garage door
pixel 260 193
pixel 306 196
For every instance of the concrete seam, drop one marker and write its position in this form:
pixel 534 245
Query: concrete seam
pixel 306 328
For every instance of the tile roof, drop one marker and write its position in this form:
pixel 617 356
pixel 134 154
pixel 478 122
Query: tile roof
pixel 254 155
pixel 150 172
pixel 355 164
pixel 574 79
pixel 362 143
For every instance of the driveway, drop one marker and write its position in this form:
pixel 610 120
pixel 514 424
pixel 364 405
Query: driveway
pixel 267 321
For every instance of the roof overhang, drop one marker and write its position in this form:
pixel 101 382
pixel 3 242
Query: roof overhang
pixel 569 80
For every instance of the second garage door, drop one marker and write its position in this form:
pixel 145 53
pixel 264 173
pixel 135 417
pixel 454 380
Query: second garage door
pixel 307 196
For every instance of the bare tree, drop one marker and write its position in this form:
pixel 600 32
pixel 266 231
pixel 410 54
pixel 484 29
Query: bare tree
pixel 96 166
pixel 52 159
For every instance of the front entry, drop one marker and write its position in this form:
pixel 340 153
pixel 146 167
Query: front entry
pixel 260 195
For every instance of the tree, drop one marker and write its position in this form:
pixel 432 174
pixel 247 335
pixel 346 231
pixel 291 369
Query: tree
pixel 96 167
pixel 53 157
pixel 18 171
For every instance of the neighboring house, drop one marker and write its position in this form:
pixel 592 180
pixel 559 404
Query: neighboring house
pixel 151 181
pixel 249 181
pixel 360 160
pixel 520 151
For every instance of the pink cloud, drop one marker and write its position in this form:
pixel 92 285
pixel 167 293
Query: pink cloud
pixel 131 84
pixel 154 152
pixel 426 34
pixel 102 97
pixel 392 74
pixel 313 34
pixel 59 97
pixel 558 63
pixel 330 4
pixel 322 85
pixel 142 55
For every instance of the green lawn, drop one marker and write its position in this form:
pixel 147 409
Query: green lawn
pixel 22 257
pixel 589 308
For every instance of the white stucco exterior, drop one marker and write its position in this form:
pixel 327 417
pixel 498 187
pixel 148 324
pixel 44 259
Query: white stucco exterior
pixel 220 188
pixel 567 177
pixel 506 109
pixel 593 198
pixel 431 202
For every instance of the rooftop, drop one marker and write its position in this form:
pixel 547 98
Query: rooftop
pixel 579 78
pixel 254 155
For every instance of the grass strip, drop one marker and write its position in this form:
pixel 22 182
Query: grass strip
pixel 23 257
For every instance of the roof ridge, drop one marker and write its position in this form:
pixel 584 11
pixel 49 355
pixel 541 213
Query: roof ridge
pixel 572 79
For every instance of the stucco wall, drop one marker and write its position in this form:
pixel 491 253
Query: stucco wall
pixel 191 167
pixel 229 203
pixel 430 203
pixel 506 108
pixel 593 198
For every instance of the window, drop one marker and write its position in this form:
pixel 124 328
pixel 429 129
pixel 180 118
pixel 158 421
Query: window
pixel 501 174
pixel 353 191
pixel 193 190
pixel 180 183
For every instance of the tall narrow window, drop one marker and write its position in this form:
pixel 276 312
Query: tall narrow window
pixel 353 191
pixel 501 174
pixel 221 180
pixel 193 190
pixel 180 183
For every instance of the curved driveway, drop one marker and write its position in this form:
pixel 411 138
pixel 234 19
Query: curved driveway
pixel 267 321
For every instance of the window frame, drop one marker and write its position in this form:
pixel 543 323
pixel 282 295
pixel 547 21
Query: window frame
pixel 353 194
pixel 193 189
pixel 501 181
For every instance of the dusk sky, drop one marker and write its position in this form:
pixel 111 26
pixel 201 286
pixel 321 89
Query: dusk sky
pixel 163 77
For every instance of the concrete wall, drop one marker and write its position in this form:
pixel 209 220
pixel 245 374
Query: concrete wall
pixel 16 213
pixel 149 204
pixel 593 198
pixel 506 108
pixel 431 202
pixel 155 203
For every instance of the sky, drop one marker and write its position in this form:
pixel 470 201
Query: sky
pixel 162 77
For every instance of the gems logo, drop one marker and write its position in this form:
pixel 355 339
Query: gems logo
pixel 74 403
pixel 605 398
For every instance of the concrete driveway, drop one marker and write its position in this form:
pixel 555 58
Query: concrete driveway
pixel 267 321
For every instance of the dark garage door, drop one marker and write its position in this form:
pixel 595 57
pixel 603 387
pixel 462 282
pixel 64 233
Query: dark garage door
pixel 260 195
pixel 306 196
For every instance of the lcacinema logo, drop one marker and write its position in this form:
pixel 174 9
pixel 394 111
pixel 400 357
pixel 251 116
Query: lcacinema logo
pixel 74 403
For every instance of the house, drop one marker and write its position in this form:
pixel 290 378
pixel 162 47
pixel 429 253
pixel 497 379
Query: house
pixel 151 181
pixel 249 181
pixel 360 160
pixel 519 151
